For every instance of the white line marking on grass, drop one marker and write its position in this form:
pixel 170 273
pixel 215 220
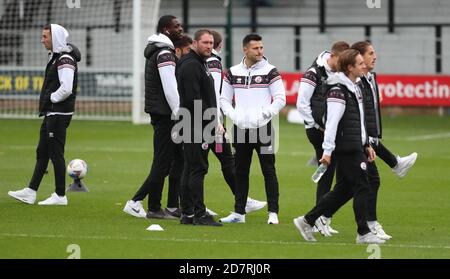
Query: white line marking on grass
pixel 214 240
pixel 429 137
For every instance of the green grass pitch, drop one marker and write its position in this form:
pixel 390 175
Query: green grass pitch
pixel 415 210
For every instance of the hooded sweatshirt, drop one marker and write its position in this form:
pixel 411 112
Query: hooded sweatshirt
pixel 58 92
pixel 258 93
pixel 307 87
pixel 336 106
pixel 160 74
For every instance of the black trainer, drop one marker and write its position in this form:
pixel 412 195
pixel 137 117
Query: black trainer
pixel 186 220
pixel 160 214
pixel 176 213
pixel 206 220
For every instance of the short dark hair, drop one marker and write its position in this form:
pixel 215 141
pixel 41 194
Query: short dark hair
pixel 164 22
pixel 361 46
pixel 184 41
pixel 347 58
pixel 338 47
pixel 47 27
pixel 251 37
pixel 217 38
pixel 199 33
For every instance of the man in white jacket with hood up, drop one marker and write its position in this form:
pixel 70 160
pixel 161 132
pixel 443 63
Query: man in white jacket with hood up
pixel 259 94
pixel 56 105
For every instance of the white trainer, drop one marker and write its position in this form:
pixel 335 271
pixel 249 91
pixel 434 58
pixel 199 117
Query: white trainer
pixel 369 238
pixel 25 195
pixel 322 227
pixel 304 228
pixel 254 205
pixel 273 219
pixel 377 229
pixel 330 229
pixel 54 199
pixel 233 218
pixel 135 208
pixel 210 212
pixel 404 164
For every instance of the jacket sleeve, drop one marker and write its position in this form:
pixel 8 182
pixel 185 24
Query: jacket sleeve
pixel 278 93
pixel 215 67
pixel 335 111
pixel 166 67
pixel 305 92
pixel 226 98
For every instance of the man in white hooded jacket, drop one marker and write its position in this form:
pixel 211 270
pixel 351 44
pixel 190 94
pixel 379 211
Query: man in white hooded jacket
pixel 57 105
pixel 259 94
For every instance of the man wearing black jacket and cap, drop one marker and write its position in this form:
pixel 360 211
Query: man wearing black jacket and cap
pixel 197 96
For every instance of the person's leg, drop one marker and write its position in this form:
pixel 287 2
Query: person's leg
pixel 197 171
pixel 57 127
pixel 175 174
pixel 315 137
pixel 356 174
pixel 42 158
pixel 227 164
pixel 385 154
pixel 243 158
pixel 374 185
pixel 335 199
pixel 163 148
pixel 266 155
pixel 186 202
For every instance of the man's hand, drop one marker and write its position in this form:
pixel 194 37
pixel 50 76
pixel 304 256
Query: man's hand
pixel 325 160
pixel 220 129
pixel 371 156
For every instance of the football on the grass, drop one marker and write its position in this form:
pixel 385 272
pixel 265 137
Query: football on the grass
pixel 77 168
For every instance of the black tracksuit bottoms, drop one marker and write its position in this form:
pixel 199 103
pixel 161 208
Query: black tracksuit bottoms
pixel 385 154
pixel 167 158
pixel 315 137
pixel 227 163
pixel 192 183
pixel 52 140
pixel 261 140
pixel 351 181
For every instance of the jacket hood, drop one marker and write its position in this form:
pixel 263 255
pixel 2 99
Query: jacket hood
pixel 59 39
pixel 156 42
pixel 322 61
pixel 341 78
pixel 257 65
pixel 74 52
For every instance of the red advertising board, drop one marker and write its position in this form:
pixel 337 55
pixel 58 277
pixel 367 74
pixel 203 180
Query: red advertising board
pixel 396 90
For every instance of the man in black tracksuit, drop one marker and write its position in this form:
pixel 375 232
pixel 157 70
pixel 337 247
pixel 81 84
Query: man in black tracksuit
pixel 197 95
pixel 369 88
pixel 57 105
pixel 346 137
pixel 162 103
